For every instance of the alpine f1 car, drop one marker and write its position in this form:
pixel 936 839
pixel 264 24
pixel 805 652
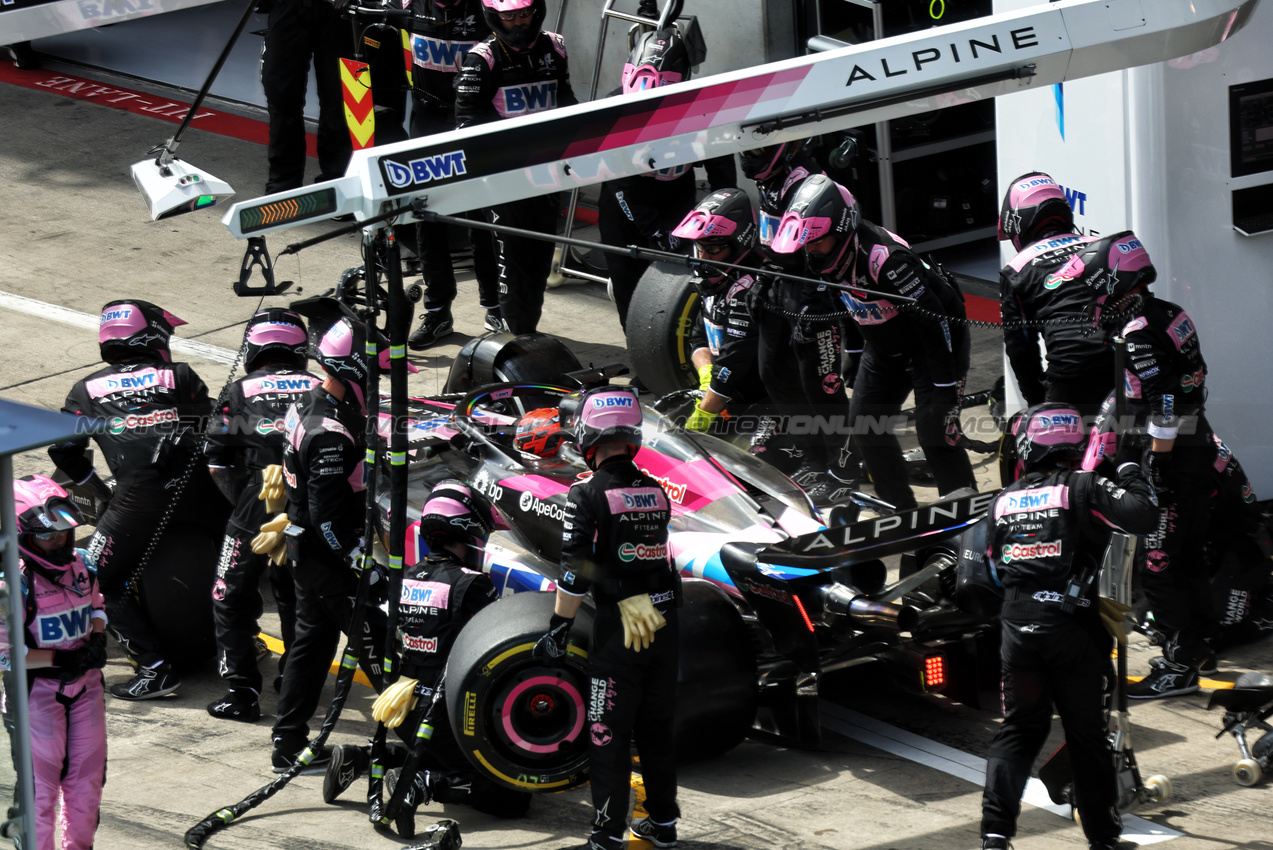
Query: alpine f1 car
pixel 774 597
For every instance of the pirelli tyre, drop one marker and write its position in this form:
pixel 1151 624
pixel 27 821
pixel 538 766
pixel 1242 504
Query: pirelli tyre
pixel 660 318
pixel 518 720
pixel 717 694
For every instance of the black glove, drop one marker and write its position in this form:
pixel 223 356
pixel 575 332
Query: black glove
pixel 71 663
pixel 553 646
pixel 1157 466
pixel 95 652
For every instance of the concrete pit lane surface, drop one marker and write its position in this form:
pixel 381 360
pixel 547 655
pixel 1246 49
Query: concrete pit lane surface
pixel 895 771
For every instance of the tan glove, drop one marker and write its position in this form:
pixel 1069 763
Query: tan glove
pixel 393 705
pixel 270 541
pixel 640 621
pixel 272 488
pixel 1114 617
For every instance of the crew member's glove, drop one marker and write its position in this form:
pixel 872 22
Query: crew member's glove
pixel 554 646
pixel 272 488
pixel 70 663
pixel 1114 618
pixel 271 541
pixel 704 377
pixel 95 652
pixel 394 703
pixel 358 559
pixel 640 621
pixel 1157 466
pixel 699 420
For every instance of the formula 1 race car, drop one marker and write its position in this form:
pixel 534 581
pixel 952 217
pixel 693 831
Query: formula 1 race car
pixel 774 597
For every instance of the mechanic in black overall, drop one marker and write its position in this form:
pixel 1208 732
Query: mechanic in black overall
pixel 153 408
pixel 723 342
pixel 324 475
pixel 519 70
pixel 924 348
pixel 1037 219
pixel 440 594
pixel 1164 382
pixel 442 32
pixel 1049 535
pixel 614 543
pixel 799 358
pixel 644 209
pixel 244 440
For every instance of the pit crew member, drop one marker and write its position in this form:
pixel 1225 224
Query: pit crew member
pixel 924 347
pixel 153 407
pixel 614 543
pixel 1049 535
pixel 244 445
pixel 518 70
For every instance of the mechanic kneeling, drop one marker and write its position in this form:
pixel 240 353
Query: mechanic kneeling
pixel 1049 534
pixel 614 542
pixel 440 594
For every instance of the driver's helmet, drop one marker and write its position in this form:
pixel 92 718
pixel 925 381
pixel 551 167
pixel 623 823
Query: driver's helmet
pixel 43 507
pixel 276 334
pixel 726 219
pixel 1049 434
pixel 539 432
pixel 763 163
pixel 342 352
pixel 1034 207
pixel 523 35
pixel 453 510
pixel 607 415
pixel 1109 267
pixel 820 207
pixel 133 327
pixel 658 58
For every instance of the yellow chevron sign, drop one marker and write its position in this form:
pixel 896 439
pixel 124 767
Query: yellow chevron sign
pixel 360 112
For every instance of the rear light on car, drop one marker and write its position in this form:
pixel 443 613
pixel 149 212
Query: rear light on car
pixel 934 672
pixel 804 615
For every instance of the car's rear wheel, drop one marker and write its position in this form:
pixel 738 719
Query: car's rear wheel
pixel 660 318
pixel 716 702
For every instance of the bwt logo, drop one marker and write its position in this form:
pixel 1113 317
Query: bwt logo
pixel 1061 420
pixel 116 316
pixel 286 384
pixel 426 169
pixel 1076 199
pixel 640 500
pixel 135 382
pixel 612 401
pixel 1129 246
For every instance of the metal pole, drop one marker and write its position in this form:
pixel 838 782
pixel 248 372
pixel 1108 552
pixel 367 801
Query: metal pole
pixel 399 314
pixel 17 694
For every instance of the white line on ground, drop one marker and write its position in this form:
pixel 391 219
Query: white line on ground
pixel 74 318
pixel 908 745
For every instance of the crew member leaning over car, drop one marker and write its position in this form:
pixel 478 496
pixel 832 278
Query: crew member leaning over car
pixel 614 543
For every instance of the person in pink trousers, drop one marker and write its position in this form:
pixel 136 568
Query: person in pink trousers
pixel 65 646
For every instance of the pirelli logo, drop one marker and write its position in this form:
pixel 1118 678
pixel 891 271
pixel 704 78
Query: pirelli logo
pixel 470 713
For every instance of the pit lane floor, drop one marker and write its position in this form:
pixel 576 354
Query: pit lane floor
pixel 73 235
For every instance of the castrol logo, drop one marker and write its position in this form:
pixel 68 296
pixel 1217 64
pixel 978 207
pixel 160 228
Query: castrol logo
pixel 420 644
pixel 1031 551
pixel 628 552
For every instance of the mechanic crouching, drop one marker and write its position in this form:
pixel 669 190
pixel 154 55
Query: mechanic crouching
pixel 325 477
pixel 614 543
pixel 440 594
pixel 1049 534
